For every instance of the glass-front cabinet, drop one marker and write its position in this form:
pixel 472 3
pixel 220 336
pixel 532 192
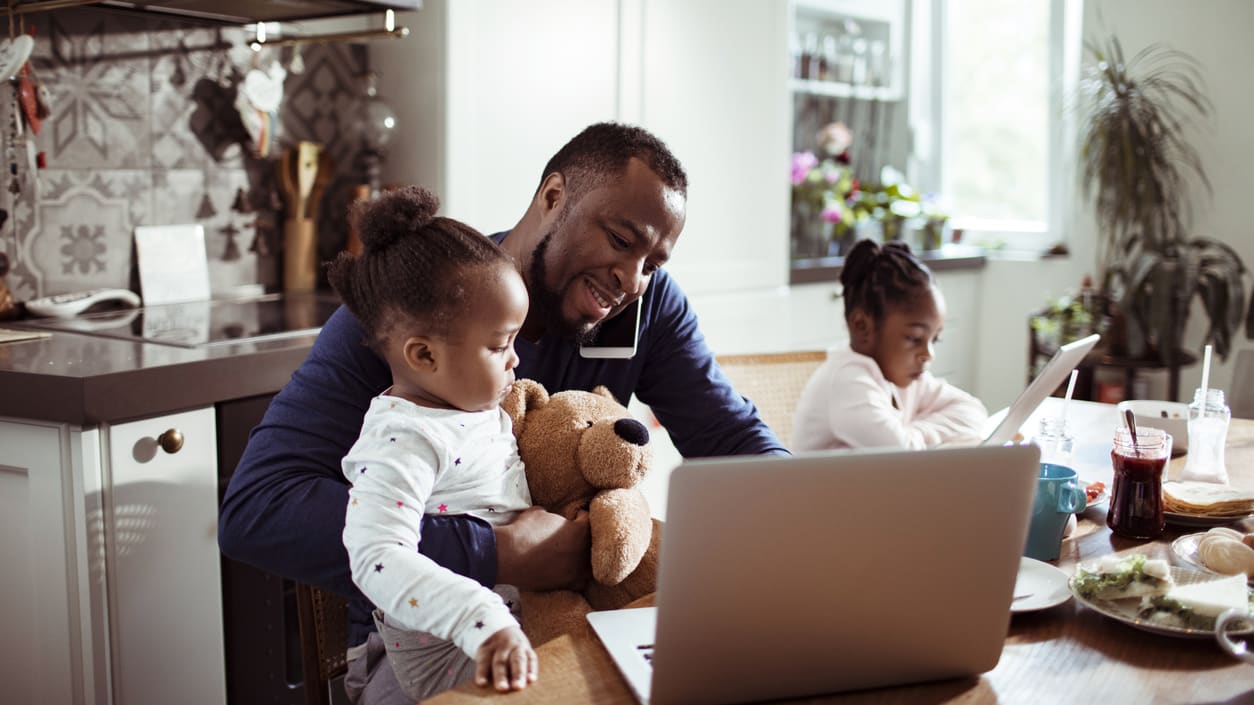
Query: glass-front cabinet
pixel 850 72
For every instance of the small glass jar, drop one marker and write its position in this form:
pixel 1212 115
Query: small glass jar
pixel 810 56
pixel 1055 442
pixel 1208 435
pixel 1136 495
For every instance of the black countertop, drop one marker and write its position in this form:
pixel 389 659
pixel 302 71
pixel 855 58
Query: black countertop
pixel 84 379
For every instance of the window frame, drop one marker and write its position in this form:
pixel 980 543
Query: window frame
pixel 930 127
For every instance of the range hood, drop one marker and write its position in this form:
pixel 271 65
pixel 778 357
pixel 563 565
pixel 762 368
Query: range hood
pixel 249 11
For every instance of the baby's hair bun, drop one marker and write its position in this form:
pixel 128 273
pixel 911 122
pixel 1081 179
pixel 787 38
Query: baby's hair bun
pixel 385 219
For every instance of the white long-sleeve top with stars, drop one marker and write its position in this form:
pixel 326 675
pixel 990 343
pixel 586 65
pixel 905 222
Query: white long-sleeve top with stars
pixel 409 460
pixel 848 403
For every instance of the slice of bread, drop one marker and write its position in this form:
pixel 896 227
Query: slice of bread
pixel 1214 597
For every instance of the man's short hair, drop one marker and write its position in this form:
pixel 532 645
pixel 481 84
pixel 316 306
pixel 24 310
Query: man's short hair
pixel 603 150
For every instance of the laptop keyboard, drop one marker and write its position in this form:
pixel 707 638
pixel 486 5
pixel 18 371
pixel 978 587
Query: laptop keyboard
pixel 646 652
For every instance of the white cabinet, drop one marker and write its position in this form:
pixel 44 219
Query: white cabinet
pixel 956 353
pixel 51 582
pixel 714 85
pixel 111 590
pixel 163 562
pixel 485 91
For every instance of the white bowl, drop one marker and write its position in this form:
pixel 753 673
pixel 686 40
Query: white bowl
pixel 1170 416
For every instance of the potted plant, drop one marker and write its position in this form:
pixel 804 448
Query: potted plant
pixel 1136 167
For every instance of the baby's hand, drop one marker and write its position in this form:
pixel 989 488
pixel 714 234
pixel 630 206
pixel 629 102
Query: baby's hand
pixel 507 659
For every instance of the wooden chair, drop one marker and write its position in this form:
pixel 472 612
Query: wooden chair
pixel 773 382
pixel 323 618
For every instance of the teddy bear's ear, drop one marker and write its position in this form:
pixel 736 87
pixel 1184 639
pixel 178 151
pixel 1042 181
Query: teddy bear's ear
pixel 604 391
pixel 527 394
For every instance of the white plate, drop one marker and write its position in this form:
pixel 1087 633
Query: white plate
pixel 1185 548
pixel 1126 610
pixel 1041 584
pixel 1201 520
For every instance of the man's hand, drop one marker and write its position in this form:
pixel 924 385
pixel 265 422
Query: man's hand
pixel 506 661
pixel 544 551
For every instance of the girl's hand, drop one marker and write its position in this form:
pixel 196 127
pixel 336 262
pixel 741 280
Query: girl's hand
pixel 507 659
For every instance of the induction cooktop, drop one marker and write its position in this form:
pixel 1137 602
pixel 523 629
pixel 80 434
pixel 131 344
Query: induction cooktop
pixel 198 324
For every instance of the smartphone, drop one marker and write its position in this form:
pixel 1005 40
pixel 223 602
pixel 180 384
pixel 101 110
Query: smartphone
pixel 616 338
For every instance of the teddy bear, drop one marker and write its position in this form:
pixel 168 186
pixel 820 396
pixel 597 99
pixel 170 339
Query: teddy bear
pixel 584 450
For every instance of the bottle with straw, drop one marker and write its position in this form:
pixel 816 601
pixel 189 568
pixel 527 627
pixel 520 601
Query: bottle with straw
pixel 1208 431
pixel 1053 438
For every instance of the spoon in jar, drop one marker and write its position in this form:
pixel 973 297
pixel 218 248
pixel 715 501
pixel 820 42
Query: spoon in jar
pixel 1130 418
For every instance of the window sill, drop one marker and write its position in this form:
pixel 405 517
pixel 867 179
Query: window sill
pixel 948 257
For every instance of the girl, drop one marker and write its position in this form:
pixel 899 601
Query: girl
pixel 442 305
pixel 878 392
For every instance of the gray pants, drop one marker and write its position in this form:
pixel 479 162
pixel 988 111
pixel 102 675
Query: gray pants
pixel 401 667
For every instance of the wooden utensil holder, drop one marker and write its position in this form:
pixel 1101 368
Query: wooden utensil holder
pixel 300 255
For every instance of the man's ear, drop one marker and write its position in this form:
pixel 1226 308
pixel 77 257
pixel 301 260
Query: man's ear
pixel 420 354
pixel 552 194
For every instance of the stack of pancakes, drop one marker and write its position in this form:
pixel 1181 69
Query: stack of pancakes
pixel 1204 499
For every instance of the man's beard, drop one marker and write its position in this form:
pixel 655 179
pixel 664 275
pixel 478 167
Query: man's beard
pixel 548 302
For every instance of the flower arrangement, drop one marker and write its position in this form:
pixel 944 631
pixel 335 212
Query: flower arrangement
pixel 832 209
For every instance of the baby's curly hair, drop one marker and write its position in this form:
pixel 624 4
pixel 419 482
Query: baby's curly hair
pixel 875 277
pixel 415 269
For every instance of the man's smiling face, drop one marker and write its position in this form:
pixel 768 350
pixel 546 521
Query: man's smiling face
pixel 602 250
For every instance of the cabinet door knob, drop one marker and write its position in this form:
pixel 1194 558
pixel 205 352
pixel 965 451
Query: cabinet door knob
pixel 171 441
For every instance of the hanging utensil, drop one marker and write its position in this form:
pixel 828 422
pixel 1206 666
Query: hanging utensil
pixel 326 170
pixel 298 170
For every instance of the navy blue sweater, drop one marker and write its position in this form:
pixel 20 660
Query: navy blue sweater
pixel 284 508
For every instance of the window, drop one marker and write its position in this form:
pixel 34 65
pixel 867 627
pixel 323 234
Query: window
pixel 990 117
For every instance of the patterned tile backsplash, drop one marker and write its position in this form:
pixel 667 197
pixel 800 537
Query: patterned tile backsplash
pixel 143 130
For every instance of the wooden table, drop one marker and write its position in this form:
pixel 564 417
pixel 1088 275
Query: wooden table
pixel 1067 654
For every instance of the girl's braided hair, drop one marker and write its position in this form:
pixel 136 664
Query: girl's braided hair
pixel 415 268
pixel 877 276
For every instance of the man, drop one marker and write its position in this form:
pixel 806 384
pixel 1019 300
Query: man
pixel 605 218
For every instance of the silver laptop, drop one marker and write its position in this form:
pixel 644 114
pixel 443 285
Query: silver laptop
pixel 1055 371
pixel 791 576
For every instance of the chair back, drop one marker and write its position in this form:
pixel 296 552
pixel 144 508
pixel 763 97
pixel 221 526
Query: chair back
pixel 773 382
pixel 323 618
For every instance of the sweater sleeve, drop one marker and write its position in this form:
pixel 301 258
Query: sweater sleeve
pixel 684 387
pixel 284 506
pixel 862 414
pixel 947 412
pixel 392 482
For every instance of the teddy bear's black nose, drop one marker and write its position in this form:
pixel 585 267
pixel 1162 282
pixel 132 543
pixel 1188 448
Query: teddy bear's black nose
pixel 632 431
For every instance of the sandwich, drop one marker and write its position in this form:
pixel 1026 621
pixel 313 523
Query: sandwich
pixel 1197 605
pixel 1122 578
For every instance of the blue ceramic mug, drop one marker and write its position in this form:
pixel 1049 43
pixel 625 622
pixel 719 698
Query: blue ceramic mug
pixel 1058 496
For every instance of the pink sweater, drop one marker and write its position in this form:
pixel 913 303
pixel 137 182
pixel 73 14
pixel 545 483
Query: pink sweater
pixel 848 403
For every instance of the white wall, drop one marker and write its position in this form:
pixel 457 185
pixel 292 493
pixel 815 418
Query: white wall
pixel 1217 34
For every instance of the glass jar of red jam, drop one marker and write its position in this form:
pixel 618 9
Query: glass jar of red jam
pixel 1136 495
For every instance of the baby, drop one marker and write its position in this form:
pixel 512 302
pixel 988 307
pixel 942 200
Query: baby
pixel 442 305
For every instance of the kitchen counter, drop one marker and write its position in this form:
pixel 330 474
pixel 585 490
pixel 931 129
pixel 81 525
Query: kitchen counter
pixel 85 380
